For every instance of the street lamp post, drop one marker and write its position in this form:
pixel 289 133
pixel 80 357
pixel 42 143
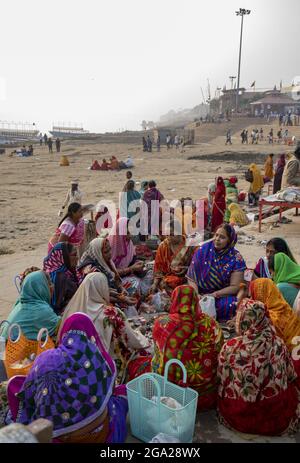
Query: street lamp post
pixel 241 12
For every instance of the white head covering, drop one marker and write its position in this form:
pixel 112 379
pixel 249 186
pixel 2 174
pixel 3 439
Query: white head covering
pixel 90 298
pixel 94 251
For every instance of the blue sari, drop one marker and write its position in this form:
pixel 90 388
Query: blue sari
pixel 211 271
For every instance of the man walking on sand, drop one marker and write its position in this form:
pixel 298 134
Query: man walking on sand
pixel 228 137
pixel 50 143
pixel 57 144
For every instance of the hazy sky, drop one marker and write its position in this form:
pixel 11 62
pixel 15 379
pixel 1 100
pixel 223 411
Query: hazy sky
pixel 109 64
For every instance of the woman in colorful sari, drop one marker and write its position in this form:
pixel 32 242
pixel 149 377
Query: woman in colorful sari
pixel 237 216
pixel 73 386
pixel 33 311
pixel 217 268
pixel 60 264
pixel 278 174
pixel 231 195
pixel 273 246
pixel 283 317
pixel 219 205
pixel 119 339
pixel 172 260
pixel 97 258
pixel 114 163
pixel 257 392
pixel 124 258
pixel 255 186
pixel 130 201
pixel 70 228
pixel 152 194
pixel 189 335
pixel 286 275
pixel 269 172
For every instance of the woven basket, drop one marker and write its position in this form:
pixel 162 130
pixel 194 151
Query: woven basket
pixel 22 347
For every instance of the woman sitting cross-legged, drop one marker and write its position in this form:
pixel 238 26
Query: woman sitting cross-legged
pixel 284 318
pixel 119 339
pixel 257 392
pixel 73 386
pixel 33 311
pixel 273 246
pixel 286 275
pixel 98 258
pixel 189 335
pixel 172 259
pixel 134 279
pixel 60 264
pixel 217 268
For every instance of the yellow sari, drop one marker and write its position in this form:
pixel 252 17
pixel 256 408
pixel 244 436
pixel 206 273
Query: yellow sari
pixel 237 215
pixel 284 319
pixel 258 182
pixel 269 168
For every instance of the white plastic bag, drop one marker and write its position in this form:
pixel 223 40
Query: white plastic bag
pixel 163 438
pixel 208 306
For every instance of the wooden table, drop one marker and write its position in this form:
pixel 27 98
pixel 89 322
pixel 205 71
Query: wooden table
pixel 283 205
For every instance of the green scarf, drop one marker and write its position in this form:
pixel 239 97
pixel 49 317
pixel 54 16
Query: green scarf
pixel 285 270
pixel 32 310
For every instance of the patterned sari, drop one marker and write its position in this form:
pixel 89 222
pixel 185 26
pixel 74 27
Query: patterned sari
pixel 211 271
pixel 257 392
pixel 73 386
pixel 166 261
pixel 189 335
pixel 119 339
pixel 65 282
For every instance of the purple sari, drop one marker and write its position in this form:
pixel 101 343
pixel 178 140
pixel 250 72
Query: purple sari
pixel 72 386
pixel 211 271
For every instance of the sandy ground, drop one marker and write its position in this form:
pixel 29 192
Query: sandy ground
pixel 32 191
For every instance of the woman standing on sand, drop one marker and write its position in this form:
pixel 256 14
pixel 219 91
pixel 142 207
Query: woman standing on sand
pixel 278 173
pixel 219 205
pixel 70 228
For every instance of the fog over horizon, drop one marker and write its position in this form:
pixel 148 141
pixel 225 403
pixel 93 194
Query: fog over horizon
pixel 109 65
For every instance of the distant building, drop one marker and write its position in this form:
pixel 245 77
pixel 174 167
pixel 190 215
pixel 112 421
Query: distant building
pixel 274 102
pixel 226 103
pixel 293 90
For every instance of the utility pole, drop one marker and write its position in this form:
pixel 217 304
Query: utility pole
pixel 242 12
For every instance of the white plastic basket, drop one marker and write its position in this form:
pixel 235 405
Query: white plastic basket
pixel 149 416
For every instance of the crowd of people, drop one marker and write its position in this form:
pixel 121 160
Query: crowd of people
pixel 256 136
pixel 85 298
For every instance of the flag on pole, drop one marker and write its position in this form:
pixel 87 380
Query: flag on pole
pixel 253 84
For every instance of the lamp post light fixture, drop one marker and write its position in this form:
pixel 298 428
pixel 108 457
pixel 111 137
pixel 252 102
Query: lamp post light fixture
pixel 242 12
pixel 231 78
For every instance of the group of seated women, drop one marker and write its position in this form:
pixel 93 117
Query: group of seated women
pixel 252 379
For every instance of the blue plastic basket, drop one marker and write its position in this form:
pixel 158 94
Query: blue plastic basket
pixel 149 416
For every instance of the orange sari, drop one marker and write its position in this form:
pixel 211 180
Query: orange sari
pixel 166 262
pixel 284 319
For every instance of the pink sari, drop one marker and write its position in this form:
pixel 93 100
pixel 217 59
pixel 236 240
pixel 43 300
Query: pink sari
pixel 123 250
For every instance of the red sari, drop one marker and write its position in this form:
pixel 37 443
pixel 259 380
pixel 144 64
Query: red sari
pixel 194 338
pixel 257 392
pixel 219 205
